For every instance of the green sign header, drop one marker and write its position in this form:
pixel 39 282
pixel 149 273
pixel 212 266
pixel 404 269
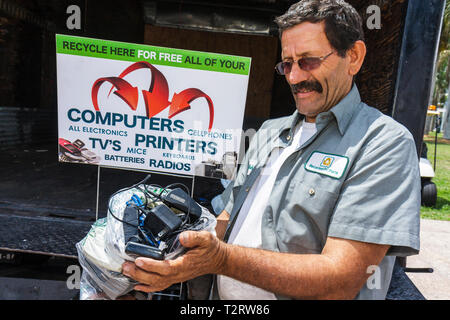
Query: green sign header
pixel 116 50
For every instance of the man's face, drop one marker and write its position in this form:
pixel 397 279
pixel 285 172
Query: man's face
pixel 317 90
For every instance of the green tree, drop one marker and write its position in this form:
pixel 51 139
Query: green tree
pixel 442 79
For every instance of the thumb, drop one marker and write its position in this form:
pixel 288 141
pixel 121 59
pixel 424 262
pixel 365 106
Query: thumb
pixel 190 239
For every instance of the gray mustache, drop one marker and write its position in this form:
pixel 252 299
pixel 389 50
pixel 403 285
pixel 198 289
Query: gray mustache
pixel 308 85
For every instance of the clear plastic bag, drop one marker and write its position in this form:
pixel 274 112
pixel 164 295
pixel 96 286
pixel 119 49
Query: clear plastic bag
pixel 102 252
pixel 102 272
pixel 115 239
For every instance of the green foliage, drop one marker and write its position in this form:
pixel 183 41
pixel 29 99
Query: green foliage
pixel 443 64
pixel 445 33
pixel 442 78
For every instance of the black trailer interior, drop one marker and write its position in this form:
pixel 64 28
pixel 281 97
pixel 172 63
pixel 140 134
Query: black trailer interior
pixel 47 206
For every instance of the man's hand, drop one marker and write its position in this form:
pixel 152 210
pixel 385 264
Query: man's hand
pixel 206 254
pixel 338 272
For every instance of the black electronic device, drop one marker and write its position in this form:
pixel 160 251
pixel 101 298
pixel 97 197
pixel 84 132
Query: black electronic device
pixel 78 143
pixel 161 221
pixel 142 250
pixel 180 200
pixel 130 221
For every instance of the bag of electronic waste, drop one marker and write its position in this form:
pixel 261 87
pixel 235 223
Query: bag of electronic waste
pixel 143 220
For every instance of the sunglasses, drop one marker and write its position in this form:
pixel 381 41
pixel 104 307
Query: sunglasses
pixel 307 64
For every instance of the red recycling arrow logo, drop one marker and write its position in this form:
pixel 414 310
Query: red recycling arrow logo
pixel 181 102
pixel 156 98
pixel 124 90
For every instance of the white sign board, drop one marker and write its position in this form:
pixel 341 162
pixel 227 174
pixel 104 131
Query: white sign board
pixel 150 108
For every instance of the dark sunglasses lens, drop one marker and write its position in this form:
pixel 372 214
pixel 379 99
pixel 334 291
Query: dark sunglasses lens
pixel 308 64
pixel 287 67
pixel 279 68
pixel 284 67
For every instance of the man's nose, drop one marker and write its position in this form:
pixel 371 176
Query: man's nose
pixel 297 75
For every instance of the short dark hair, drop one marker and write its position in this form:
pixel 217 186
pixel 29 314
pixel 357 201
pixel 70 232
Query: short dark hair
pixel 343 24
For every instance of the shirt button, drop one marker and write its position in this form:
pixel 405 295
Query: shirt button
pixel 247 189
pixel 312 192
pixel 288 138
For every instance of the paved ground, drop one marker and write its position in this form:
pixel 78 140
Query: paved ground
pixel 434 253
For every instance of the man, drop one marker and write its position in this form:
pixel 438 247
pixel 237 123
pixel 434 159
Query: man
pixel 323 197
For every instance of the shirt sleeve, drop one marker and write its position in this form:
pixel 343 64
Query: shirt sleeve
pixel 380 198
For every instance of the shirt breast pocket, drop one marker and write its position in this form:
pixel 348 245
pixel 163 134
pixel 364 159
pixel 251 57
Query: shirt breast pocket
pixel 302 225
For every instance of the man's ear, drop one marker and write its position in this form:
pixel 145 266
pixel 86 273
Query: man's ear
pixel 356 57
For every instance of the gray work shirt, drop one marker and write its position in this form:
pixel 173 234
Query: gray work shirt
pixel 357 178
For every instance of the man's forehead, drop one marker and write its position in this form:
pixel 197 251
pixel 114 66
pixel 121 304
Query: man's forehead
pixel 304 39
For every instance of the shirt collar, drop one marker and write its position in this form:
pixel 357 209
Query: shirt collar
pixel 345 109
pixel 343 112
pixel 287 129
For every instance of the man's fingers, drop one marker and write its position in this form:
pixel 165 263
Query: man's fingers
pixel 156 275
pixel 149 265
pixel 164 268
pixel 130 270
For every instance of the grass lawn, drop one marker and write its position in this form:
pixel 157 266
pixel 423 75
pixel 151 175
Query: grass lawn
pixel 441 211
